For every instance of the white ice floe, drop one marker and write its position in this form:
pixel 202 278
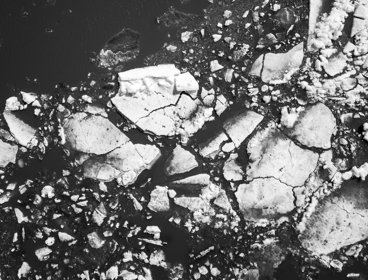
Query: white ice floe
pixel 264 198
pixel 276 68
pixel 340 220
pixel 8 153
pixel 23 133
pixel 180 161
pixel 151 97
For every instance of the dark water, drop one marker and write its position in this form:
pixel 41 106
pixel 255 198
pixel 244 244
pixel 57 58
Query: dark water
pixel 53 40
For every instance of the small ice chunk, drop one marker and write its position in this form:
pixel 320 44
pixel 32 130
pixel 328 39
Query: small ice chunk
pixel 185 36
pixel 94 240
pixel 215 66
pixel 24 270
pixel 43 253
pixel 181 161
pixel 159 201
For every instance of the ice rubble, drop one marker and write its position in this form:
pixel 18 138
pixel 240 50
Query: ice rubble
pixel 206 201
pixel 315 9
pixel 204 205
pixel 330 27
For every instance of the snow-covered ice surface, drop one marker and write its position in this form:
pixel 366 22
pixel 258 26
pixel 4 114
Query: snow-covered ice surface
pixel 237 151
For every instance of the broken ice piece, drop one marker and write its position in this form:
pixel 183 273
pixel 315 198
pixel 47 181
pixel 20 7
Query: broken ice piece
pixel 264 198
pixel 99 214
pixel 94 240
pixel 215 66
pixel 313 127
pixel 231 170
pixel 148 98
pixel 278 67
pixel 159 201
pixel 271 154
pixel 186 83
pixel 124 163
pixel 340 220
pixel 23 133
pixel 28 97
pixel 158 258
pixel 48 191
pixel 154 230
pixel 195 182
pixel 336 64
pixel 193 204
pixel 185 36
pixel 241 126
pixel 112 273
pixel 92 134
pixel 212 147
pixel 20 216
pixel 43 253
pixel 65 237
pixel 181 161
pixel 13 104
pixel 24 270
pixel 8 153
pixel 121 48
pixel 315 9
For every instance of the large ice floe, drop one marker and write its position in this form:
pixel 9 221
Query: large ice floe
pixel 23 133
pixel 278 68
pixel 161 100
pixel 110 153
pixel 312 126
pixel 280 164
pixel 8 153
pixel 341 219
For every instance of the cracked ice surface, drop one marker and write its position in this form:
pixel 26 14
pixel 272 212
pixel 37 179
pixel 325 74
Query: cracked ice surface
pixel 272 154
pixel 313 127
pixel 278 67
pixel 92 134
pixel 264 198
pixel 117 156
pixel 340 220
pixel 23 133
pixel 125 163
pixel 235 129
pixel 160 100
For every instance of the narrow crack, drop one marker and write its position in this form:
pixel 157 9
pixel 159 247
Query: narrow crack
pixel 345 210
pixel 166 106
pixel 270 177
